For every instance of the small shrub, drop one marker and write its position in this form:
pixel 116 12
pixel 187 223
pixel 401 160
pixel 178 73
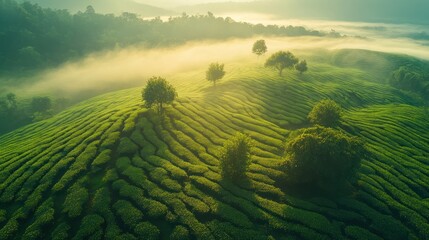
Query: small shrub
pixel 326 113
pixel 235 156
pixel 127 147
pixel 76 198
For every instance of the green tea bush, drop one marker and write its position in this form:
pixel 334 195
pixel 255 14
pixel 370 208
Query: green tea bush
pixel 146 230
pixel 80 164
pixel 8 231
pixel 130 215
pixel 61 232
pixel 3 214
pixel 76 198
pixel 180 233
pixel 127 147
pixel 102 158
pixel 44 216
pixel 360 233
pixel 90 225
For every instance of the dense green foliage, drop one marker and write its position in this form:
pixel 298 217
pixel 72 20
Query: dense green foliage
pixel 411 79
pixel 281 60
pixel 301 67
pixel 33 37
pixel 322 157
pixel 59 180
pixel 158 92
pixel 235 157
pixel 41 104
pixel 326 113
pixel 259 47
pixel 215 72
pixel 16 112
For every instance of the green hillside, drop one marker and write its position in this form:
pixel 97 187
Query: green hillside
pixel 109 169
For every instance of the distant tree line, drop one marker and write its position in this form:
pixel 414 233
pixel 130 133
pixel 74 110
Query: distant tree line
pixel 412 79
pixel 33 37
pixel 15 113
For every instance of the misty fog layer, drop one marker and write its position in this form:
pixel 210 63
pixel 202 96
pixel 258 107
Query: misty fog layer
pixel 129 67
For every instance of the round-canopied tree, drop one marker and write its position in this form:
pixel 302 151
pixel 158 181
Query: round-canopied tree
pixel 301 66
pixel 281 60
pixel 322 158
pixel 215 72
pixel 259 47
pixel 235 157
pixel 158 92
pixel 326 113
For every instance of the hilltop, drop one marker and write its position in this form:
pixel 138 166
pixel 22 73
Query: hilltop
pixel 109 168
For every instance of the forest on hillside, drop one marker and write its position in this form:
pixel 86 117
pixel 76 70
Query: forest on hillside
pixel 39 37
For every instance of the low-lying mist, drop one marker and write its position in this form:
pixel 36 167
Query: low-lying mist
pixel 124 68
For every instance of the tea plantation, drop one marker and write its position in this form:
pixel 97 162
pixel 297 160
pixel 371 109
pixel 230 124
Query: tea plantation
pixel 108 168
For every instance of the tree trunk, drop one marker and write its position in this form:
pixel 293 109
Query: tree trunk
pixel 160 108
pixel 281 72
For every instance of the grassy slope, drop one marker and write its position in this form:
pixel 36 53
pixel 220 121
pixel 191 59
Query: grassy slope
pixel 108 167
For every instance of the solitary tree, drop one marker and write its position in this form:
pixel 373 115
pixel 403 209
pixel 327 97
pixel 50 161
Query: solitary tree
pixel 326 113
pixel 215 72
pixel 259 47
pixel 281 60
pixel 235 157
pixel 301 66
pixel 322 158
pixel 158 92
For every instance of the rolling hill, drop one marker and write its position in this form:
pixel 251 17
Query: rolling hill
pixel 108 168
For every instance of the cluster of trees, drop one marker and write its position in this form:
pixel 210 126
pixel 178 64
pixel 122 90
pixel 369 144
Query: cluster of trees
pixel 33 37
pixel 286 60
pixel 322 157
pixel 280 60
pixel 15 114
pixel 412 80
pixel 318 158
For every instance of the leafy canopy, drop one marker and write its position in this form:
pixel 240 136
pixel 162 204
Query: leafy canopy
pixel 259 47
pixel 321 157
pixel 301 66
pixel 41 104
pixel 281 60
pixel 158 92
pixel 215 72
pixel 235 156
pixel 326 113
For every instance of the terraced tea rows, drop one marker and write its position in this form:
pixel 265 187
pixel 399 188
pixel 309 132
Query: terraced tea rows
pixel 109 168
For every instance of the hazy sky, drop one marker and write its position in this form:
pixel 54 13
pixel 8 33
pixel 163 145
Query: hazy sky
pixel 175 3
